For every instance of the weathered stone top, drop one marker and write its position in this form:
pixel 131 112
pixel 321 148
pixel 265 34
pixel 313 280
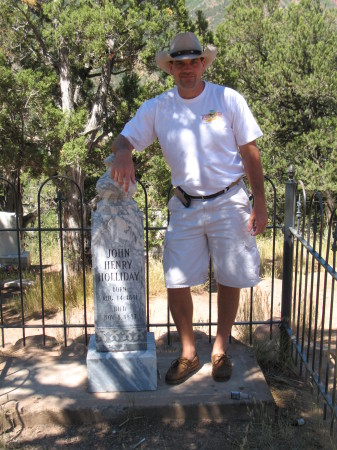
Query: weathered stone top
pixel 109 189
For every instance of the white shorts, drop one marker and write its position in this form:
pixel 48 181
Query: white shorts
pixel 215 228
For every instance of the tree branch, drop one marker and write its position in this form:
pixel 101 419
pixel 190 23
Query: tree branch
pixel 38 38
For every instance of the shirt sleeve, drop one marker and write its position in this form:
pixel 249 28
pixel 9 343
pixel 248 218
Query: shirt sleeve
pixel 245 127
pixel 139 131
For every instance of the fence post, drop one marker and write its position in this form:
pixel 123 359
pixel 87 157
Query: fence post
pixel 288 247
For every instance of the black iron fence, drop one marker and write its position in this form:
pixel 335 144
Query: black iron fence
pixel 309 319
pixel 50 230
pixel 16 277
pixel 305 310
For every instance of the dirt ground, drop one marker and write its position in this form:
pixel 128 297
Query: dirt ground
pixel 276 429
pixel 142 434
pixel 295 422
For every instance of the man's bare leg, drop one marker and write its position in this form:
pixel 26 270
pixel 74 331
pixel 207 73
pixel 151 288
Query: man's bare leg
pixel 181 306
pixel 228 302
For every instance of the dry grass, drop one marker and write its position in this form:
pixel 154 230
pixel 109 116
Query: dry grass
pixel 53 290
pixel 53 295
pixel 265 246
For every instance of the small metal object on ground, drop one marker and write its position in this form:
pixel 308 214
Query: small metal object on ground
pixel 237 395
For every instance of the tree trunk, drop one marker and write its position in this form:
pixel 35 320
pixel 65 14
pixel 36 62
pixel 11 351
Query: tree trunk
pixel 72 217
pixel 99 107
pixel 72 207
pixel 66 81
pixel 331 204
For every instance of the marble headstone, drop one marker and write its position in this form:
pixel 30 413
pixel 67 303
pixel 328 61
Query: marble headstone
pixel 9 241
pixel 121 347
pixel 118 268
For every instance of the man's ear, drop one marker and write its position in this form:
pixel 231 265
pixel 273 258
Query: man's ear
pixel 171 67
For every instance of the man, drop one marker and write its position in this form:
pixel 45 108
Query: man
pixel 207 134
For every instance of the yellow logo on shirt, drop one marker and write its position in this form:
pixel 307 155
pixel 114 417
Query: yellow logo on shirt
pixel 211 117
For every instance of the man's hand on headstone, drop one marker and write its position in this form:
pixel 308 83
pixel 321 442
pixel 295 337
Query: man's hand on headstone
pixel 122 168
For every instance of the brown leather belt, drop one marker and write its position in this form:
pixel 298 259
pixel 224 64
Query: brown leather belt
pixel 207 197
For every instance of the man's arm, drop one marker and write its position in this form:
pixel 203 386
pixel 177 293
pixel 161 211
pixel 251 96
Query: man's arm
pixel 252 163
pixel 122 169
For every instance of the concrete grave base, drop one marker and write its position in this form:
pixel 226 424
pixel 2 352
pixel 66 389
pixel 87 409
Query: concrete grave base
pixel 122 371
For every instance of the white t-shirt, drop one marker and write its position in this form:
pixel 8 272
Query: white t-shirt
pixel 199 137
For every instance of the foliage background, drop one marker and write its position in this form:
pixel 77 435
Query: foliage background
pixel 72 73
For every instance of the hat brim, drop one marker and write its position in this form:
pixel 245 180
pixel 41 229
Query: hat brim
pixel 163 59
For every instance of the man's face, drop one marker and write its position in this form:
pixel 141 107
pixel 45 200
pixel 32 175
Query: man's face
pixel 187 74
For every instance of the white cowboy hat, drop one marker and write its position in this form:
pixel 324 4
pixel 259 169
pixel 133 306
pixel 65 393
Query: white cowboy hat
pixel 185 46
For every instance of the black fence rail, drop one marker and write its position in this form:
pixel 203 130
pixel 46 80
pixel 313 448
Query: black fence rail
pixel 309 276
pixel 51 228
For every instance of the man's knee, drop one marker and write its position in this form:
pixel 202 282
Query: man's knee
pixel 179 295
